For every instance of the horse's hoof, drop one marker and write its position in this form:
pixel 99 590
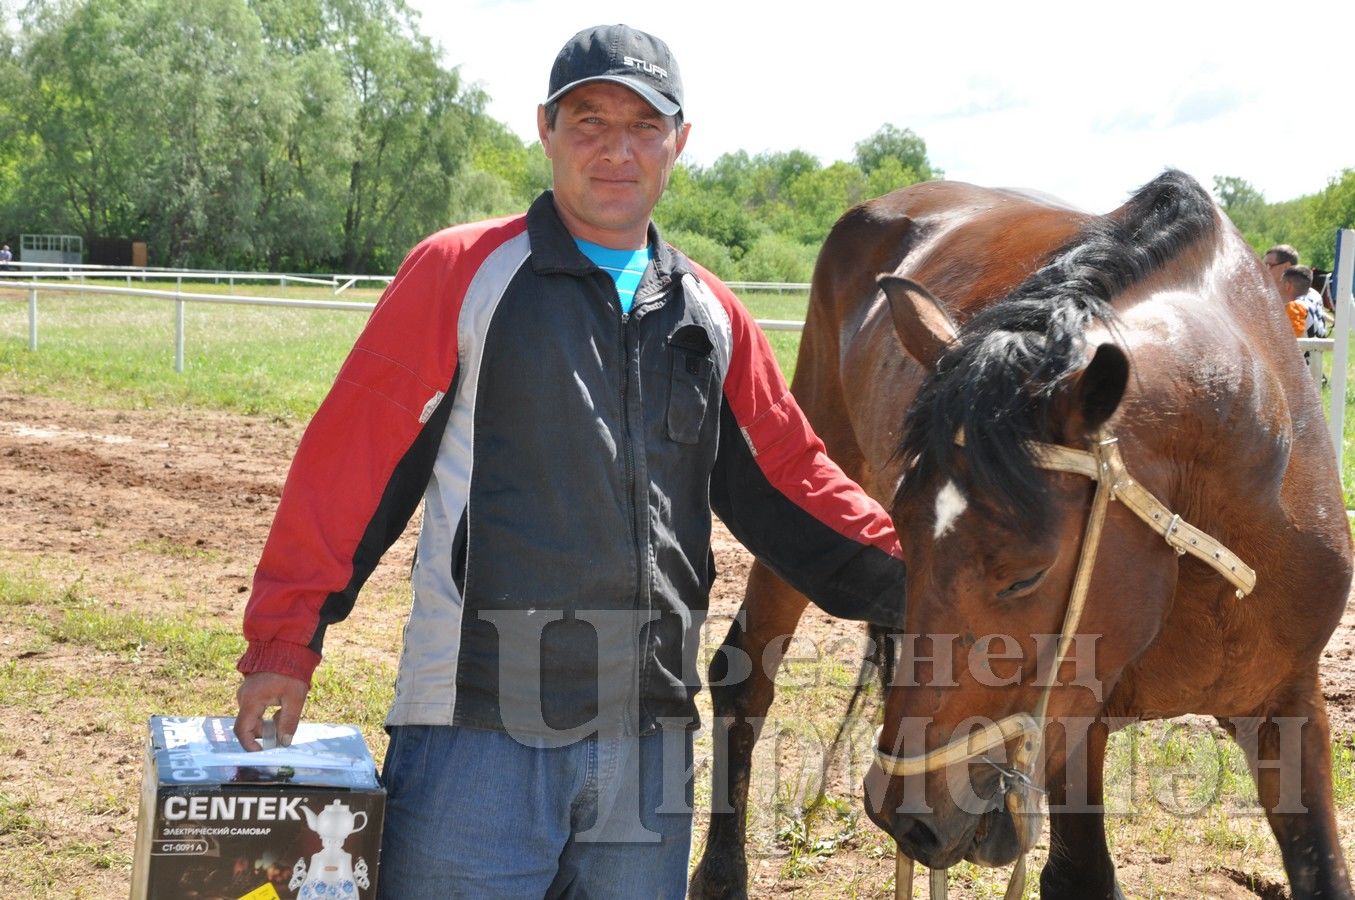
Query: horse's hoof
pixel 718 882
pixel 1075 888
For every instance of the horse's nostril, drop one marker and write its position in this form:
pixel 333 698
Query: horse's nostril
pixel 916 837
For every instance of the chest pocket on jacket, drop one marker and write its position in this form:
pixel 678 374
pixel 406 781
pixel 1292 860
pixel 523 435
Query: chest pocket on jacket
pixel 689 388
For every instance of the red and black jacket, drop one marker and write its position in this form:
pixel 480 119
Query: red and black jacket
pixel 569 457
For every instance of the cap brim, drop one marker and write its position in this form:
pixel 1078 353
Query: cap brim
pixel 662 105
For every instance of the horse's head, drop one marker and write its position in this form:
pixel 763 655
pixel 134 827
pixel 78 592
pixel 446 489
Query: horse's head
pixel 992 538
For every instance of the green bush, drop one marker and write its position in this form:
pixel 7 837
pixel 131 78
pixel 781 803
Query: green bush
pixel 709 253
pixel 775 257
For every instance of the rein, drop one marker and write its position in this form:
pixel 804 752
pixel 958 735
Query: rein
pixel 1103 465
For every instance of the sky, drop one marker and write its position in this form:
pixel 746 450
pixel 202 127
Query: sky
pixel 1085 101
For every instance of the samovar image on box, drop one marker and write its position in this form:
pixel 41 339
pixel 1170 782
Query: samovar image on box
pixel 331 872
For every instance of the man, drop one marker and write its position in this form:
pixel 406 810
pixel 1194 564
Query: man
pixel 570 397
pixel 1278 260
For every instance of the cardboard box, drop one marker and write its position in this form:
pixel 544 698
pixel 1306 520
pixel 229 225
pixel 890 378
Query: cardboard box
pixel 217 823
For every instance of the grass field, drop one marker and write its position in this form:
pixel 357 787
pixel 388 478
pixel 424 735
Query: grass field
pixel 1180 793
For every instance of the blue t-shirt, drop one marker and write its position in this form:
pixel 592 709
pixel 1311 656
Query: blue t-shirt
pixel 626 267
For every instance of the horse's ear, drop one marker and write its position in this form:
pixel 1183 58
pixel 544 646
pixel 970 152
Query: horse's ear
pixel 920 319
pixel 1098 389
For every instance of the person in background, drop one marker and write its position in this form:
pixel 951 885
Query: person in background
pixel 1294 286
pixel 6 257
pixel 1278 260
pixel 569 396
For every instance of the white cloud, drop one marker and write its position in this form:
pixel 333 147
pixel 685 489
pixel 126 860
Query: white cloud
pixel 1085 101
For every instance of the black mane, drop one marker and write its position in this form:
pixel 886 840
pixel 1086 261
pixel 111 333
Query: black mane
pixel 997 381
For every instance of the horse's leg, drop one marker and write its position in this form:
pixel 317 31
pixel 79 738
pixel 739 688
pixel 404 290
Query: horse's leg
pixel 756 641
pixel 1079 864
pixel 767 619
pixel 1294 786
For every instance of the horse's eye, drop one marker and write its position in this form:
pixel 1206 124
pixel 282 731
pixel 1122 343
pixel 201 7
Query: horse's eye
pixel 1024 586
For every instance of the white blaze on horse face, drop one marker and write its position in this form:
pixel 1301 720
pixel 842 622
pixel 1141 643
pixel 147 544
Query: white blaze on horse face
pixel 950 503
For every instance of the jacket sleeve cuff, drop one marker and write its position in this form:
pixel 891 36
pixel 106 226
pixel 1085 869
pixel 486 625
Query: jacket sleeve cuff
pixel 280 657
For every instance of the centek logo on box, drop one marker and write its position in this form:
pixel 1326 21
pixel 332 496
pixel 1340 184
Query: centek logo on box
pixel 261 809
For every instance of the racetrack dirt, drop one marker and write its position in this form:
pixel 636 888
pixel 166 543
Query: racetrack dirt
pixel 92 494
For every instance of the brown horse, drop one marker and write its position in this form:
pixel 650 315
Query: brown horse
pixel 1155 325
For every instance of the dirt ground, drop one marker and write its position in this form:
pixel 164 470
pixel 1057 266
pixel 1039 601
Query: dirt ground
pixel 104 489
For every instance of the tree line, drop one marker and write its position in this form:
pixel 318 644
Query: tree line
pixel 1308 223
pixel 329 135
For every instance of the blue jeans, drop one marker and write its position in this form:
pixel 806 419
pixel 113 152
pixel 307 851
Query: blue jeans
pixel 476 814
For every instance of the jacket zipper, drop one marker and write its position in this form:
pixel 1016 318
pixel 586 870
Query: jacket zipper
pixel 628 447
pixel 627 321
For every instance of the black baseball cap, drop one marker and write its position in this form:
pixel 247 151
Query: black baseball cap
pixel 620 54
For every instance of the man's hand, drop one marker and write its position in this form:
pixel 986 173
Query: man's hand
pixel 261 691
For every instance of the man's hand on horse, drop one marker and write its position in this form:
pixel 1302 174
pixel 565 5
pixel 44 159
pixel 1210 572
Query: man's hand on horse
pixel 261 691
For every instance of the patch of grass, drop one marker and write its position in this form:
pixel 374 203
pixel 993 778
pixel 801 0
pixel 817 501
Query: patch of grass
pixel 105 798
pixel 823 829
pixel 1343 773
pixel 33 863
pixel 23 587
pixel 20 683
pixel 175 549
pixel 17 822
pixel 97 854
pixel 188 648
pixel 1180 769
pixel 1229 835
pixel 357 691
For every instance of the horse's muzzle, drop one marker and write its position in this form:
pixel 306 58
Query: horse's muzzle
pixel 946 834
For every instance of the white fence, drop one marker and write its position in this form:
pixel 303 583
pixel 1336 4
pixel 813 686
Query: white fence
pixel 58 283
pixel 340 283
pixel 79 272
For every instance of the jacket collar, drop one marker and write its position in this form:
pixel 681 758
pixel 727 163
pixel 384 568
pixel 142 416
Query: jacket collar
pixel 554 250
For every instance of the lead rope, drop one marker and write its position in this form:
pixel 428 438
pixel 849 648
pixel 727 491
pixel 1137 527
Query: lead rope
pixel 1021 796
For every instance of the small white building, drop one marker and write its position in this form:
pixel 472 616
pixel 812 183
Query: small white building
pixel 57 249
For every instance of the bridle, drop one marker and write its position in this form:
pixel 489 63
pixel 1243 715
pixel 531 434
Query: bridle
pixel 1103 465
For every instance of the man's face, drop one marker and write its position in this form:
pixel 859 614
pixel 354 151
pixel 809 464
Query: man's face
pixel 1276 267
pixel 611 154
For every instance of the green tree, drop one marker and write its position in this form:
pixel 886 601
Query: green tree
pixel 301 178
pixel 152 119
pixel 1263 224
pixel 82 83
pixel 818 198
pixel 203 77
pixel 1332 209
pixel 1236 195
pixel 15 143
pixel 900 145
pixel 521 168
pixel 696 203
pixel 305 134
pixel 411 134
